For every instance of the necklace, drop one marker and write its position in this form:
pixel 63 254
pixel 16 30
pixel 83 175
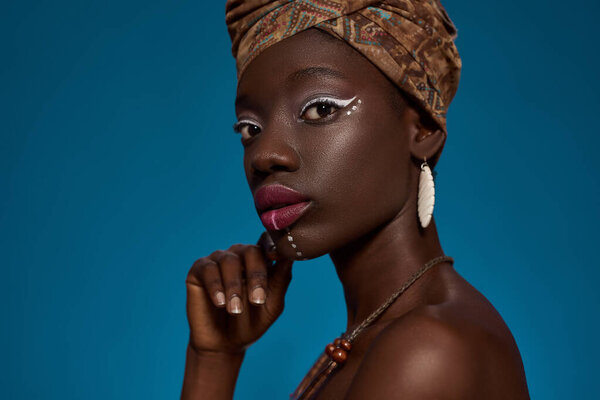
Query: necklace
pixel 336 353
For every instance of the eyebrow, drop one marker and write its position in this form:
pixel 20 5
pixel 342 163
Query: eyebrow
pixel 242 100
pixel 315 71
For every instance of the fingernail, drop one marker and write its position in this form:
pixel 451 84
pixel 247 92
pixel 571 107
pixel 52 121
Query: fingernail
pixel 258 296
pixel 235 305
pixel 220 296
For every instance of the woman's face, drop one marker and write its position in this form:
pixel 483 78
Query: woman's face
pixel 317 117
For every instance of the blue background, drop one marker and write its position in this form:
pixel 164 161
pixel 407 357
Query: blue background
pixel 119 168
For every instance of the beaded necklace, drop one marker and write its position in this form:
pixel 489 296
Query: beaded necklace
pixel 336 353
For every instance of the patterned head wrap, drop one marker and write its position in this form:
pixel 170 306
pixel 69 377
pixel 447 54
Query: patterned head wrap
pixel 410 41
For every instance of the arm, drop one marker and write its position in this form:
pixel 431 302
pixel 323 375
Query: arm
pixel 233 297
pixel 211 374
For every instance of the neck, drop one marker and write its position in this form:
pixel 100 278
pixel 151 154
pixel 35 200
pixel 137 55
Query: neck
pixel 374 266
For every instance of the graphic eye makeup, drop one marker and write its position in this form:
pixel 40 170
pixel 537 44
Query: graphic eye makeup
pixel 247 128
pixel 322 107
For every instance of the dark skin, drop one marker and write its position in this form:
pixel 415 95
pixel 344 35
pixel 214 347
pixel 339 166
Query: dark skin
pixel 441 339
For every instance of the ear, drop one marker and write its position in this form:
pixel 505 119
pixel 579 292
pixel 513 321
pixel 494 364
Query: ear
pixel 426 138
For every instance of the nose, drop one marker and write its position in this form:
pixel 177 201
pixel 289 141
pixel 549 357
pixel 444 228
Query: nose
pixel 273 150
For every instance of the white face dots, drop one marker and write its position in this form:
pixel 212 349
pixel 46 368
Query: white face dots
pixel 354 107
pixel 294 245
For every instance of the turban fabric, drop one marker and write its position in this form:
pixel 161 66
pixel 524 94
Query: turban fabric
pixel 410 41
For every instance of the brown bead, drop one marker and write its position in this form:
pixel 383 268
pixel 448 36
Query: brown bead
pixel 346 345
pixel 339 355
pixel 329 349
pixel 337 342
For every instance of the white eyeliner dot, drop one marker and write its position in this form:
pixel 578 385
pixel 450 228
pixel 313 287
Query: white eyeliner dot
pixel 349 112
pixel 354 108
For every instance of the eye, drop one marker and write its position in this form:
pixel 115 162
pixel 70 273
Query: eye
pixel 322 107
pixel 318 111
pixel 246 128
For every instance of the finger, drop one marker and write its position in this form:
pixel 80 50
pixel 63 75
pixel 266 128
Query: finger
pixel 205 275
pixel 199 299
pixel 268 245
pixel 256 274
pixel 280 276
pixel 194 275
pixel 211 278
pixel 231 273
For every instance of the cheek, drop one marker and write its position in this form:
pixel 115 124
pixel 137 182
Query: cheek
pixel 371 166
pixel 360 174
pixel 247 171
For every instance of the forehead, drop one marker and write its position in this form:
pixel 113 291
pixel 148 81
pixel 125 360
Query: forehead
pixel 309 53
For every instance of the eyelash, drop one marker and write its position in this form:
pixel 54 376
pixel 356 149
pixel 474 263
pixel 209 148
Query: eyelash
pixel 329 101
pixel 240 125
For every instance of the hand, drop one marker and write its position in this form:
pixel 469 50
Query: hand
pixel 234 296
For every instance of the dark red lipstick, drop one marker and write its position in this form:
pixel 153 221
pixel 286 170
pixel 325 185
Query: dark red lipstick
pixel 279 206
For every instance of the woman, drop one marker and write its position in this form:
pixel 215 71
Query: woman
pixel 341 108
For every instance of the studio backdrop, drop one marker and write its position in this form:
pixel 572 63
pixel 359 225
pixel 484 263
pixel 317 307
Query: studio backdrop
pixel 119 168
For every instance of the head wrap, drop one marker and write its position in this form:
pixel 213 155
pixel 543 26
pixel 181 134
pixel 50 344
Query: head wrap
pixel 410 41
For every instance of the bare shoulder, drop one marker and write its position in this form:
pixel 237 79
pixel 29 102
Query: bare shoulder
pixel 458 349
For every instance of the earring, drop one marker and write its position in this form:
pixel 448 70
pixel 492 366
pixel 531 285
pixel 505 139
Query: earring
pixel 426 196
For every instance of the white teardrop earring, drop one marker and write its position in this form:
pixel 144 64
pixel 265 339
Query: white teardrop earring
pixel 426 196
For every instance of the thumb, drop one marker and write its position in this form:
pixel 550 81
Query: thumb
pixel 281 276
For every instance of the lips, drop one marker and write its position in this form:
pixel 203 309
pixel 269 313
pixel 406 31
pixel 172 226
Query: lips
pixel 279 206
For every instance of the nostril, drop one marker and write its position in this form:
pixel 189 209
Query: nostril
pixel 265 164
pixel 264 172
pixel 278 167
pixel 257 173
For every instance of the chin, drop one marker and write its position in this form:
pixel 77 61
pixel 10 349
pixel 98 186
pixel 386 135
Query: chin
pixel 302 242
